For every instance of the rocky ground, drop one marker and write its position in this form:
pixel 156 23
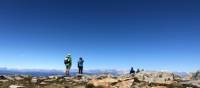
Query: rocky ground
pixel 139 80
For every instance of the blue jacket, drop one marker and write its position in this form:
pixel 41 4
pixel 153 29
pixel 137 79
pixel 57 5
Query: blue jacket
pixel 80 63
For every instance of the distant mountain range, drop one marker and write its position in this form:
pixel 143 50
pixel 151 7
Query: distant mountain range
pixel 45 72
pixel 34 72
pixel 182 74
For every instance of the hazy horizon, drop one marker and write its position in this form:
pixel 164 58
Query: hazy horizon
pixel 150 35
pixel 125 71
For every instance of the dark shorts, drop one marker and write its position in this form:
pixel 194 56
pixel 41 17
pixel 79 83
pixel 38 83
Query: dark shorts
pixel 68 66
pixel 80 67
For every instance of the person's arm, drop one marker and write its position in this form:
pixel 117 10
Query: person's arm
pixel 71 61
pixel 65 62
pixel 78 64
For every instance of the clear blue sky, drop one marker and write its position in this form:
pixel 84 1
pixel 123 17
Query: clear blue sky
pixel 149 34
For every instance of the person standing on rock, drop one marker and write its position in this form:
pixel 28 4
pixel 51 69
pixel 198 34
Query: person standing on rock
pixel 132 71
pixel 80 65
pixel 138 70
pixel 68 64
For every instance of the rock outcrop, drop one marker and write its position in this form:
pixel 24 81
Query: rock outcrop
pixel 139 80
pixel 192 83
pixel 196 75
pixel 16 86
pixel 156 77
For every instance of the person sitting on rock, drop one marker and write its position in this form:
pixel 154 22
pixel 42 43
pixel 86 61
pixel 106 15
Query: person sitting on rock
pixel 80 65
pixel 132 71
pixel 68 64
pixel 138 70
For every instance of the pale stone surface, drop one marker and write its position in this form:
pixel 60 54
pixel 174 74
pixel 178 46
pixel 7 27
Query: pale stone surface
pixel 156 77
pixel 18 78
pixel 16 86
pixel 4 80
pixel 9 78
pixel 34 80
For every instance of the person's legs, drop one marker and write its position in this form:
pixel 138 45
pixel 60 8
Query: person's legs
pixel 67 70
pixel 81 68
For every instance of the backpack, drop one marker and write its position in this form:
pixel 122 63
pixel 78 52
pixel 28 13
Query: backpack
pixel 67 61
pixel 80 63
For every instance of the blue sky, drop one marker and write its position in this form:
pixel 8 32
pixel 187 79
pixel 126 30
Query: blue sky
pixel 108 34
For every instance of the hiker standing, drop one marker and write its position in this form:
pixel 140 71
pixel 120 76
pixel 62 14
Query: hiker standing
pixel 80 65
pixel 68 64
